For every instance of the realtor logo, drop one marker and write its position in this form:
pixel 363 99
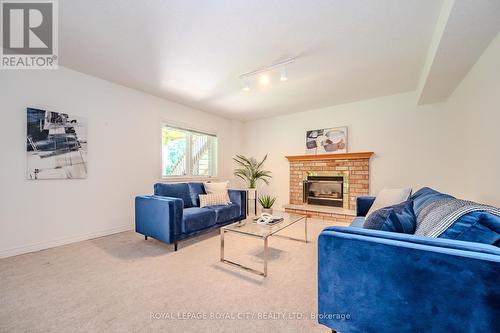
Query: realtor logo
pixel 29 34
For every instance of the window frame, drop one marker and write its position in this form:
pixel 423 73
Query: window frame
pixel 189 171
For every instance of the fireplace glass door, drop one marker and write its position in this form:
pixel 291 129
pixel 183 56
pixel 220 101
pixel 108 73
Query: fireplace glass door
pixel 324 190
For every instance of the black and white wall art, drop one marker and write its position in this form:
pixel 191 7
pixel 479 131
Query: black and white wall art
pixel 326 141
pixel 56 145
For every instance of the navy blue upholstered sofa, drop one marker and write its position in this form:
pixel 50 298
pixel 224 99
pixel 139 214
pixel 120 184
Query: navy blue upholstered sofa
pixel 173 213
pixel 379 281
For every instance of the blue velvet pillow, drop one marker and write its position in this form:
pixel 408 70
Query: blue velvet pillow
pixel 478 227
pixel 425 196
pixel 195 189
pixel 397 218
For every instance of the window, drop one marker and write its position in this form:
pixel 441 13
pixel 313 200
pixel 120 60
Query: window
pixel 188 153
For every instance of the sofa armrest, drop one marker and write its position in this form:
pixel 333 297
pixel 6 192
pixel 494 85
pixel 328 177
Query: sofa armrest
pixel 406 283
pixel 239 197
pixel 158 217
pixel 436 242
pixel 363 205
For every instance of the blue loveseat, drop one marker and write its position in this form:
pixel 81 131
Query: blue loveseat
pixel 173 213
pixel 379 281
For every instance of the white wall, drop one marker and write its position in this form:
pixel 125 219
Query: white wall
pixel 434 145
pixel 124 157
pixel 475 107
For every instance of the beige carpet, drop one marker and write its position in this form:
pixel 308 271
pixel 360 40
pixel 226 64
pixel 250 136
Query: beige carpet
pixel 117 283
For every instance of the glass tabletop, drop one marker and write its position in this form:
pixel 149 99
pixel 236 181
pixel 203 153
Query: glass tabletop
pixel 249 227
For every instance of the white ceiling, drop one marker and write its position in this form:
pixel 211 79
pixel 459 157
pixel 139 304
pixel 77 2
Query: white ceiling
pixel 193 52
pixel 465 30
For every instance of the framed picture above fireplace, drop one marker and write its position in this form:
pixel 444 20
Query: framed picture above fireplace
pixel 326 141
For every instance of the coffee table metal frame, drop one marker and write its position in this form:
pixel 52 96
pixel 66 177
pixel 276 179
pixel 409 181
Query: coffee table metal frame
pixel 263 273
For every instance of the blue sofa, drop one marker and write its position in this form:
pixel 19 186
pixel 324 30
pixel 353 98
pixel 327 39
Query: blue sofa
pixel 378 281
pixel 173 213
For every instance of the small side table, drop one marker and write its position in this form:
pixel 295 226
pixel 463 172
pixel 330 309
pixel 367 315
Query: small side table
pixel 251 197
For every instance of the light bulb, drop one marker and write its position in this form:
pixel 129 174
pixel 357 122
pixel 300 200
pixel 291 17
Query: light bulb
pixel 264 80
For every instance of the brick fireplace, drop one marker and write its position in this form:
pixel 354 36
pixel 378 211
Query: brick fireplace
pixel 326 186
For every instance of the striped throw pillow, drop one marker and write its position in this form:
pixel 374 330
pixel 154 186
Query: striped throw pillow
pixel 221 198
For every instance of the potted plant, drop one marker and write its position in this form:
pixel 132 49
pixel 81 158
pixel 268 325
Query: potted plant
pixel 250 170
pixel 267 202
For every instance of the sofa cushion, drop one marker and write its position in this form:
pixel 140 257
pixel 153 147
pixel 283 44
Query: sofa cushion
pixel 214 199
pixel 479 227
pixel 225 213
pixel 396 218
pixel 174 190
pixel 216 187
pixel 195 189
pixel 196 218
pixel 425 196
pixel 358 222
pixel 388 197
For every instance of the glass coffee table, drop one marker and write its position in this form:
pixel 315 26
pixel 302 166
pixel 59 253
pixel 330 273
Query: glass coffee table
pixel 249 228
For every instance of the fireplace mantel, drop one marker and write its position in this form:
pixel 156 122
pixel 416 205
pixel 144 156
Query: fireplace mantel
pixel 327 157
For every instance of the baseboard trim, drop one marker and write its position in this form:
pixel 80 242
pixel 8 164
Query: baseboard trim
pixel 62 241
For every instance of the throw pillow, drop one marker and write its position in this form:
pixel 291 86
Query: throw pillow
pixel 195 189
pixel 221 198
pixel 478 227
pixel 388 197
pixel 216 187
pixel 426 196
pixel 458 220
pixel 397 218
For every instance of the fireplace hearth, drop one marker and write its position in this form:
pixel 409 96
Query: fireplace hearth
pixel 324 191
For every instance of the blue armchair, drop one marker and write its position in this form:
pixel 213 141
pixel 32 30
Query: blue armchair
pixel 378 281
pixel 173 213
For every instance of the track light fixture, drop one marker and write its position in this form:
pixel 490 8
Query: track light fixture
pixel 264 79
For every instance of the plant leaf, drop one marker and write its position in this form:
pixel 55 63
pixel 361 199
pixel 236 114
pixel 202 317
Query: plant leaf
pixel 250 169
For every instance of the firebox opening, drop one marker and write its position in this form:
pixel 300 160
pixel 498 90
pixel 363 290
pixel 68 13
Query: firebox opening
pixel 324 190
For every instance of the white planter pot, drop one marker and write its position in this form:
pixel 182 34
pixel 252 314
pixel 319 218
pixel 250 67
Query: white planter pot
pixel 267 210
